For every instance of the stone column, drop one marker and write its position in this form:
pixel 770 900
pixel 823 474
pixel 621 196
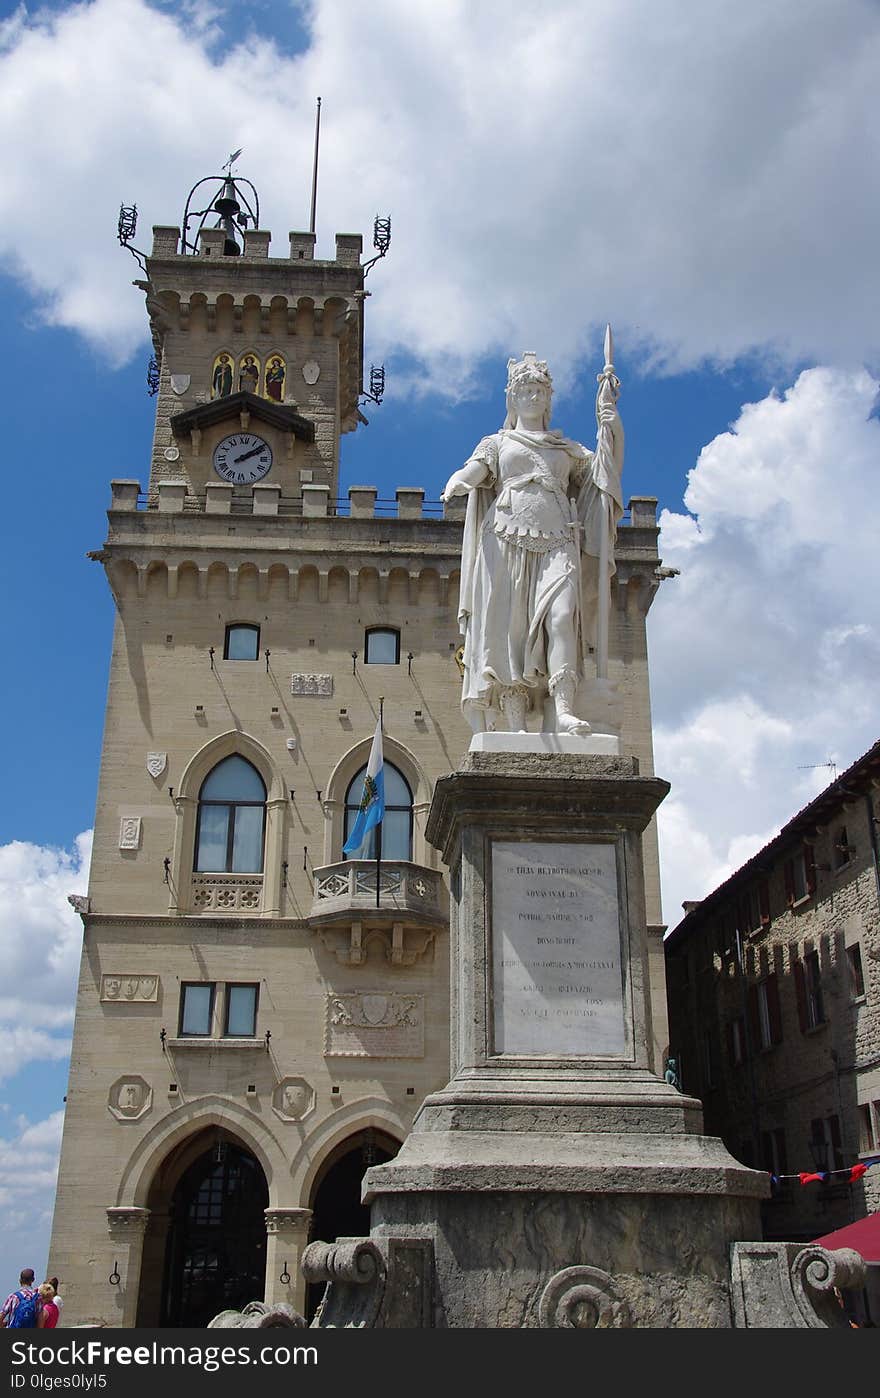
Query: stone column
pixel 287 1234
pixel 127 1227
pixel 561 1181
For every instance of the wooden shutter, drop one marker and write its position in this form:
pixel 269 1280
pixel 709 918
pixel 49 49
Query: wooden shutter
pixel 788 874
pixel 800 990
pixel 764 902
pixel 774 1009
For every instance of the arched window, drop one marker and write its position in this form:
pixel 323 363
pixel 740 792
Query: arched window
pixel 398 823
pixel 232 817
pixel 381 646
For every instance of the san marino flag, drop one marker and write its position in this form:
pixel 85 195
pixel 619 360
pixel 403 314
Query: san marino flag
pixel 372 807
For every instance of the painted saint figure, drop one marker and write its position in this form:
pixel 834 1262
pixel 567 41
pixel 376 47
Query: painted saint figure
pixel 541 519
pixel 248 375
pixel 275 378
pixel 221 384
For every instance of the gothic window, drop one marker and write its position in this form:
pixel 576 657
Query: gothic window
pixel 242 642
pixel 381 646
pixel 231 820
pixel 397 825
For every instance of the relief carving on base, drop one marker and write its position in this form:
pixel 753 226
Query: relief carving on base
pixel 583 1298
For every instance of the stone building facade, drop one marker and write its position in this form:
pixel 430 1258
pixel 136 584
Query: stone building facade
pixel 255 1023
pixel 774 1008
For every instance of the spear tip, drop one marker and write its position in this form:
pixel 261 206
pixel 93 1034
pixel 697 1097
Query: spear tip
pixel 609 347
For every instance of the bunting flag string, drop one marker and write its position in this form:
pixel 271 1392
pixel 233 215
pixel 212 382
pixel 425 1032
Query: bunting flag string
pixel 850 1174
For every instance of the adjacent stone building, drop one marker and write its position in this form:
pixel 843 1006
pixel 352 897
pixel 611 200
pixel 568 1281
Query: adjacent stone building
pixel 256 1023
pixel 774 1007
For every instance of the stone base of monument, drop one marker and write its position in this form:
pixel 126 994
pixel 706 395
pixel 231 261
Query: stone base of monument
pixel 556 1180
pixel 594 745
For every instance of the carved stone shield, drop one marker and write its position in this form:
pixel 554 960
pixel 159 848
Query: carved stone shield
pixel 180 383
pixel 375 1008
pixel 311 371
pixel 156 763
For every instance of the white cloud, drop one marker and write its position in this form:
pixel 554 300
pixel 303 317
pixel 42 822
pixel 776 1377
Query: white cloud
pixel 766 649
pixel 694 173
pixel 40 943
pixel 28 1171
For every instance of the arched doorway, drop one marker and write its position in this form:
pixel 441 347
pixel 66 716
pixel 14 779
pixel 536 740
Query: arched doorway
pixel 215 1257
pixel 337 1211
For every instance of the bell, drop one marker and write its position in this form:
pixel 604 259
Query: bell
pixel 227 205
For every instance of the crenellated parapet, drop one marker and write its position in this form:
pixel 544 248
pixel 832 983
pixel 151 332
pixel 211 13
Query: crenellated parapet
pixel 288 330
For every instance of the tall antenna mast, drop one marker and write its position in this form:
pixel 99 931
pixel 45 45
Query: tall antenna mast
pixel 315 167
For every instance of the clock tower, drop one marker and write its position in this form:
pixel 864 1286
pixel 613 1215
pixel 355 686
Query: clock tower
pixel 259 1017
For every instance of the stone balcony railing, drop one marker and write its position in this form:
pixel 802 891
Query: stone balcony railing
pixel 407 892
pixel 227 893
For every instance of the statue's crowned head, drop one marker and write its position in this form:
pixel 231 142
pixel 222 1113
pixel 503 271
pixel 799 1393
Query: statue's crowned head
pixel 528 370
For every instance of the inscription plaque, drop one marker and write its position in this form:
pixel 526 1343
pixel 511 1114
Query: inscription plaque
pixel 556 950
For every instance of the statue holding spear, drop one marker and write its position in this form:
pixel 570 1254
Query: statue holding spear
pixel 537 558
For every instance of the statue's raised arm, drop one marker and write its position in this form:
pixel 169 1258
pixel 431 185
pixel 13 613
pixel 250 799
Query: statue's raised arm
pixel 537 555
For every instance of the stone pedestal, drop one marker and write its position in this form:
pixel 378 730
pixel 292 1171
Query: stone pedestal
pixel 558 1179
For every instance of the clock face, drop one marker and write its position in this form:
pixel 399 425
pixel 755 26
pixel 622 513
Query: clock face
pixel 242 458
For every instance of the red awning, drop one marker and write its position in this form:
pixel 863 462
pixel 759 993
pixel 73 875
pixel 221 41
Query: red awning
pixel 863 1235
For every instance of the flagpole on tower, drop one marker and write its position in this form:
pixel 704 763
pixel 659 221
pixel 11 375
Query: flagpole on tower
pixel 379 826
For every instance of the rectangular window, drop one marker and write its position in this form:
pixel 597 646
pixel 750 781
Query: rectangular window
pixel 738 1039
pixel 382 647
pixel 241 1011
pixel 766 1013
pixel 813 989
pixel 856 974
pixel 843 850
pixel 242 643
pixel 867 1137
pixel 826 1147
pixel 196 1008
pixel 800 875
pixel 755 908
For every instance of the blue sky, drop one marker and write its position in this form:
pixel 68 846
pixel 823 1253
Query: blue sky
pixel 699 176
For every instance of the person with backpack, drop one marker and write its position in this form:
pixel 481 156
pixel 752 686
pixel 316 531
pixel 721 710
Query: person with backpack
pixel 21 1309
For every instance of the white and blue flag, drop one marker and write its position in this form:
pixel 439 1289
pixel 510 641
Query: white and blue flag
pixel 372 807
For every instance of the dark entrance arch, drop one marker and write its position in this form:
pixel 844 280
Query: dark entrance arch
pixel 336 1198
pixel 216 1254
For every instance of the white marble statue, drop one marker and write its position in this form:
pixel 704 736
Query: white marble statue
pixel 537 556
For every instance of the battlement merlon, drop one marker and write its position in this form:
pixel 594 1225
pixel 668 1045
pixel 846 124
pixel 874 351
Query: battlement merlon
pixel 166 243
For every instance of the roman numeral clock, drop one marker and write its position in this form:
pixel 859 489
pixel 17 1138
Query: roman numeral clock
pixel 242 458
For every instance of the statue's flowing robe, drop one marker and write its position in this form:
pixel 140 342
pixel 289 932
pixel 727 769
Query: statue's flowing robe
pixel 523 540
